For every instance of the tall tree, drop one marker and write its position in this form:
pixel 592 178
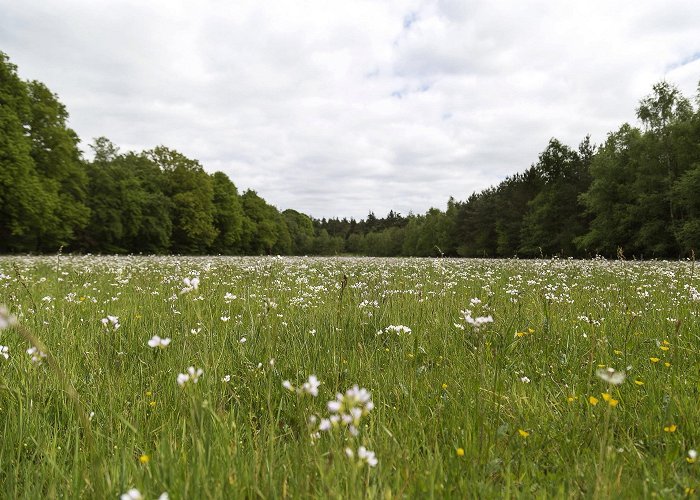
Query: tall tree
pixel 554 218
pixel 25 207
pixel 301 229
pixel 262 225
pixel 660 113
pixel 58 162
pixel 191 194
pixel 228 216
pixel 610 200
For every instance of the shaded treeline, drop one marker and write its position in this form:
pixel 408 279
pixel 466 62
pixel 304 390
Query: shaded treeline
pixel 637 194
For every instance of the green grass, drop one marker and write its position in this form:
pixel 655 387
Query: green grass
pixel 436 391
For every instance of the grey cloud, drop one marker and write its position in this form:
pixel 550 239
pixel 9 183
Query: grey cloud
pixel 294 99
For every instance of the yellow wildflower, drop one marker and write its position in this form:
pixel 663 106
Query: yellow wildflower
pixel 639 382
pixel 460 452
pixel 670 428
pixel 144 459
pixel 593 400
pixel 523 434
pixel 654 360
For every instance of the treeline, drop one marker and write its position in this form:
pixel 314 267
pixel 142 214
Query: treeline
pixel 638 194
pixel 155 201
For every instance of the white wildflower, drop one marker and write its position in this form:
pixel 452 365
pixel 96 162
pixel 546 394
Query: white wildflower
pixel 37 357
pixel 4 351
pixel 192 375
pixel 158 342
pixel 610 375
pixel 348 409
pixel 367 456
pixel 477 322
pixel 132 494
pixel 190 285
pixel 399 330
pixel 311 386
pixel 111 320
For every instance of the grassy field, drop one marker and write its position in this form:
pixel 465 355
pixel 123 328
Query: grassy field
pixel 455 405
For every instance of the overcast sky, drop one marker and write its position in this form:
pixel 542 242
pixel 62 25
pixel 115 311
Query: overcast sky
pixel 336 108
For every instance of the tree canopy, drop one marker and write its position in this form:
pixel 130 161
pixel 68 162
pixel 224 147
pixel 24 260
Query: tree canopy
pixel 635 195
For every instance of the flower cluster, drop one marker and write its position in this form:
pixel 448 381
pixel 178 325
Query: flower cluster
pixel 134 494
pixel 190 285
pixel 478 322
pixel 347 410
pixel 610 375
pixel 37 356
pixel 309 387
pixel 368 307
pixel 398 330
pixel 158 342
pixel 364 456
pixel 192 375
pixel 111 320
pixel 519 335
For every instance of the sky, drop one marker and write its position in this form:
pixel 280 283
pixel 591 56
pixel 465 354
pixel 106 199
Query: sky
pixel 338 108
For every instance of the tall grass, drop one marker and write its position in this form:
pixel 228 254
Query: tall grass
pixel 504 410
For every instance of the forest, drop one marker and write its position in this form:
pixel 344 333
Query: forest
pixel 634 196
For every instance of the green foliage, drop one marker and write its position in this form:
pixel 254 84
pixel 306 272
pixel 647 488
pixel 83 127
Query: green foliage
pixel 264 226
pixel 609 199
pixel 129 210
pixel 57 160
pixel 228 216
pixel 686 192
pixel 301 230
pixel 27 201
pixel 635 195
pixel 554 218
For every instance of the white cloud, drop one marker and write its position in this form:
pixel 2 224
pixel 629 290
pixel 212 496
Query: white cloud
pixel 338 108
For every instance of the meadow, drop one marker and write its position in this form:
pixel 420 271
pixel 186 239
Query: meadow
pixel 217 377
